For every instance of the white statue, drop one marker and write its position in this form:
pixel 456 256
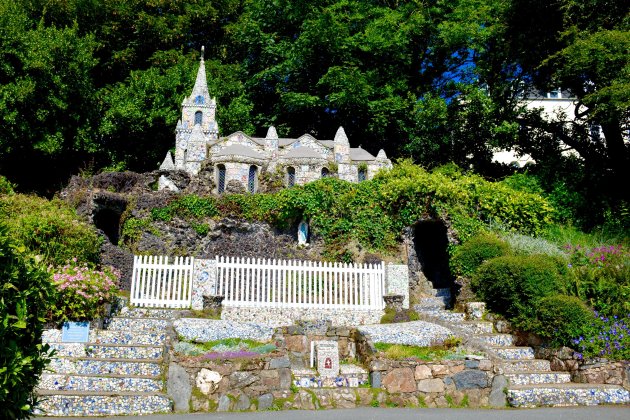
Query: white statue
pixel 302 233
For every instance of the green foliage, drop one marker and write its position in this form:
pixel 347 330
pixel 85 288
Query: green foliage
pixel 529 245
pixel 5 186
pixel 512 285
pixel 559 318
pixel 25 296
pixel 133 227
pixel 600 276
pixel 474 252
pixel 406 315
pixel 605 336
pixel 188 207
pixel 82 291
pixel 49 229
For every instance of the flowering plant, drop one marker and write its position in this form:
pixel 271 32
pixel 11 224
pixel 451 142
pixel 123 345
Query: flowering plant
pixel 601 277
pixel 607 337
pixel 82 291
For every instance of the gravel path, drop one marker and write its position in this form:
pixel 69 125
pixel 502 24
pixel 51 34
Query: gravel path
pixel 417 333
pixel 203 330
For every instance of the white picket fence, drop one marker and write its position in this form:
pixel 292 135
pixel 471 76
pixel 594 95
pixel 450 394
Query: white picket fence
pixel 159 284
pixel 299 284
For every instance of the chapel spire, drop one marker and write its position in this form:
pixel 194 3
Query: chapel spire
pixel 201 83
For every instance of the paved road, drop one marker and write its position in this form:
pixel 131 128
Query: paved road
pixel 579 413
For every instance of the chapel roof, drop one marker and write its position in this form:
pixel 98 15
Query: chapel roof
pixel 239 150
pixel 303 152
pixel 356 153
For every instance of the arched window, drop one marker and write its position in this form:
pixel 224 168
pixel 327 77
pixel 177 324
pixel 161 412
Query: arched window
pixel 325 172
pixel 290 176
pixel 220 178
pixel 251 182
pixel 199 100
pixel 362 174
pixel 198 117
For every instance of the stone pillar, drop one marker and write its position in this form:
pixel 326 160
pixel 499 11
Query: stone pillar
pixel 204 281
pixel 397 281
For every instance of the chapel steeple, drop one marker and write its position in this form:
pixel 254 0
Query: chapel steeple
pixel 199 107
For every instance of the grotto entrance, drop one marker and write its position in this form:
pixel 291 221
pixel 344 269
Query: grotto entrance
pixel 430 243
pixel 106 216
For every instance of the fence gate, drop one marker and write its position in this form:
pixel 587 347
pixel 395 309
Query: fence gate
pixel 159 284
pixel 300 284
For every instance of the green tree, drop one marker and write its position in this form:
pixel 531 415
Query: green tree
pixel 47 99
pixel 25 293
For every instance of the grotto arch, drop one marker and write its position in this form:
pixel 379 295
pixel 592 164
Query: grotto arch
pixel 427 242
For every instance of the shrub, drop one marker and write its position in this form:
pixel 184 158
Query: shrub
pixel 82 291
pixel 561 317
pixel 469 256
pixel 24 298
pixel 529 245
pixel 49 229
pixel 512 285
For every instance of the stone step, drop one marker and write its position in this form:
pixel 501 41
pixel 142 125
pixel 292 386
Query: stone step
pixel 108 351
pixel 514 353
pixel 497 340
pixel 89 366
pixel 114 383
pixel 112 337
pixel 524 366
pixel 140 325
pixel 562 395
pixel 531 378
pixel 477 327
pixel 129 312
pixel 454 317
pixel 74 403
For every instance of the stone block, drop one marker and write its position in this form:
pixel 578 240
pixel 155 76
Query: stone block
pixel 296 343
pixel 475 310
pixel 431 385
pixel 498 398
pixel 285 378
pixel 303 401
pixel 207 380
pixel 375 379
pixel 471 364
pixel 485 365
pixel 439 370
pixel 344 398
pixel 422 372
pixel 178 387
pixel 242 403
pixel 279 362
pixel 265 402
pixel 242 379
pixel 225 403
pixel 399 380
pixel 456 368
pixel 470 379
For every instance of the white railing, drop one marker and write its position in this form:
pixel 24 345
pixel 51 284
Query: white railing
pixel 300 284
pixel 156 283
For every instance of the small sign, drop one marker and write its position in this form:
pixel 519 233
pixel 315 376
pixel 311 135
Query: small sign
pixel 75 332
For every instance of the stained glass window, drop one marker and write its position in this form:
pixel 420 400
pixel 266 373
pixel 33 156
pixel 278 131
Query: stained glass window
pixel 221 178
pixel 290 176
pixel 199 100
pixel 198 117
pixel 251 184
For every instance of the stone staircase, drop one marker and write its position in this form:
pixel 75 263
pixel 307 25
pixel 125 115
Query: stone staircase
pixel 119 371
pixel 531 382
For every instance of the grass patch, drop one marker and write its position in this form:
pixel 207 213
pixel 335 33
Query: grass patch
pixel 402 352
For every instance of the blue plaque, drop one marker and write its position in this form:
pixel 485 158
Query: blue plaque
pixel 75 332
